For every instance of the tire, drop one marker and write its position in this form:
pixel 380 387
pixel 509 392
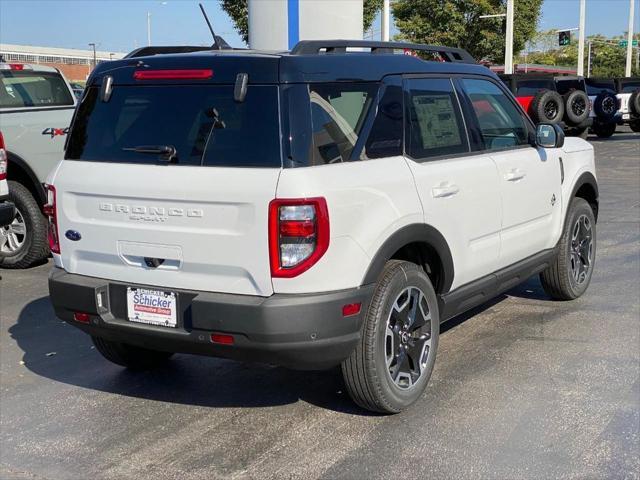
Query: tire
pixel 634 103
pixel 29 228
pixel 547 107
pixel 576 108
pixel 368 371
pixel 560 280
pixel 604 130
pixel 635 125
pixel 134 358
pixel 581 132
pixel 605 106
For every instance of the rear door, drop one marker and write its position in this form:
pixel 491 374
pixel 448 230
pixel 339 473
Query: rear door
pixel 529 178
pixel 458 188
pixel 195 218
pixel 35 112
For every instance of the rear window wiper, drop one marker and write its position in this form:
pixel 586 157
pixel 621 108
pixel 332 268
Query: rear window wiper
pixel 165 152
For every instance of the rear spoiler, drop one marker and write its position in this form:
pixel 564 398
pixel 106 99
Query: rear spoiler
pixel 165 50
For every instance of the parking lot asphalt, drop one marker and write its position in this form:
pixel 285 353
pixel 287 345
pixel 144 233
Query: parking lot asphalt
pixel 523 387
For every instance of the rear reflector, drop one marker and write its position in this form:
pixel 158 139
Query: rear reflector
pixel 81 317
pixel 222 338
pixel 351 309
pixel 201 74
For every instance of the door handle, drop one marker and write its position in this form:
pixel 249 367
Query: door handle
pixel 444 190
pixel 514 175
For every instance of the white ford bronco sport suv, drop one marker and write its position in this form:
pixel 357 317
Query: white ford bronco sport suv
pixel 309 209
pixel 36 106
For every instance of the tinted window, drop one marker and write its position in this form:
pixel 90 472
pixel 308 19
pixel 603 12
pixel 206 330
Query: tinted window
pixel 338 111
pixel 565 86
pixel 526 88
pixel 629 86
pixel 385 138
pixel 202 123
pixel 20 89
pixel 500 122
pixel 434 122
pixel 595 87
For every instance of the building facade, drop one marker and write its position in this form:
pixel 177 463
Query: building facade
pixel 74 64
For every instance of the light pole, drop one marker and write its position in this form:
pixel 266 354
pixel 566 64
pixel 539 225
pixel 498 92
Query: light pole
pixel 386 7
pixel 93 45
pixel 627 72
pixel 581 39
pixel 149 28
pixel 508 44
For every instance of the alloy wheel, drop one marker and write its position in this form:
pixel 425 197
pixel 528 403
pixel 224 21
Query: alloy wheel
pixel 13 236
pixel 581 249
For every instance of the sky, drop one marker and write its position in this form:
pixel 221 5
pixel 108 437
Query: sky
pixel 121 25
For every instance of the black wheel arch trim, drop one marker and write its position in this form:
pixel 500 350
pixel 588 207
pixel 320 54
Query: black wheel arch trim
pixel 587 178
pixel 24 166
pixel 408 234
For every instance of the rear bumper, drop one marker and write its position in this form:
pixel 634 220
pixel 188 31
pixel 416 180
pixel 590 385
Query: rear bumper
pixel 7 212
pixel 305 331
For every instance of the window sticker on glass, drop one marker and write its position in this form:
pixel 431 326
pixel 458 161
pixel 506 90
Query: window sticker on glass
pixel 438 126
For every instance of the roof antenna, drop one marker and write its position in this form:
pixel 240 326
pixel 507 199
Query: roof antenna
pixel 218 42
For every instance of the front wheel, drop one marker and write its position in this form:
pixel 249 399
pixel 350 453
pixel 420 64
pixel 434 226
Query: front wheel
pixel 635 125
pixel 391 365
pixel 604 131
pixel 570 272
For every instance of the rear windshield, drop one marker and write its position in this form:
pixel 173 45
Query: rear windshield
pixel 565 86
pixel 19 89
pixel 629 86
pixel 200 124
pixel 527 88
pixel 595 87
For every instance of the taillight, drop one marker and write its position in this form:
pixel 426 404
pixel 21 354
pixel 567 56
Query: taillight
pixel 4 162
pixel 298 234
pixel 51 211
pixel 199 74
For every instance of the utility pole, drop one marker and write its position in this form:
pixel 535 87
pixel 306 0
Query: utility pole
pixel 149 28
pixel 581 39
pixel 589 60
pixel 627 72
pixel 385 20
pixel 93 45
pixel 508 46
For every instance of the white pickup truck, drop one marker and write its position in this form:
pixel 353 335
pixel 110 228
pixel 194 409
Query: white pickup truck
pixel 36 106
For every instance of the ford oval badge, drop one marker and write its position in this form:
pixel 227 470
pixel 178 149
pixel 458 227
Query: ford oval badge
pixel 73 235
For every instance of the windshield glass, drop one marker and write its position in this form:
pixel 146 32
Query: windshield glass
pixel 180 124
pixel 19 89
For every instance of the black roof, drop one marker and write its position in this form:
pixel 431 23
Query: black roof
pixel 309 61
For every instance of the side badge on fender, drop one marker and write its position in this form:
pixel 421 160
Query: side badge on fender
pixel 73 235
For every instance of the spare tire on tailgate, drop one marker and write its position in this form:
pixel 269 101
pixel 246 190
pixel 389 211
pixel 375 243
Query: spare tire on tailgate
pixel 634 103
pixel 547 107
pixel 576 108
pixel 605 105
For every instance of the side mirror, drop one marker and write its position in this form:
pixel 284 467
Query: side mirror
pixel 549 135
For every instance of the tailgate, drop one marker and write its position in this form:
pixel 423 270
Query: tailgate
pixel 207 227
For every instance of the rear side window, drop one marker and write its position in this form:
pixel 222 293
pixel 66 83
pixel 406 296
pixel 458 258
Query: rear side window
pixel 338 112
pixel 434 122
pixel 385 137
pixel 529 88
pixel 565 86
pixel 629 86
pixel 201 123
pixel 500 122
pixel 19 89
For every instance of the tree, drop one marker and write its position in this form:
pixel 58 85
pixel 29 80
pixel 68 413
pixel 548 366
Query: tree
pixel 608 58
pixel 456 23
pixel 239 13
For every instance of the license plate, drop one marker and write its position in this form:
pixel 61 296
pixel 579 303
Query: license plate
pixel 152 307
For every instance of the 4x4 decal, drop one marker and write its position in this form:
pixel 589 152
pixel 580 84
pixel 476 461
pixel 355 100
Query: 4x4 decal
pixel 53 132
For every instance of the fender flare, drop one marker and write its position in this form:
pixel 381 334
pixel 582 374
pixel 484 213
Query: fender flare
pixel 14 159
pixel 417 232
pixel 586 178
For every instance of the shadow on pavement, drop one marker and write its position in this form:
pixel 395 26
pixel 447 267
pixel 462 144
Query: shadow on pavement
pixel 189 379
pixel 613 138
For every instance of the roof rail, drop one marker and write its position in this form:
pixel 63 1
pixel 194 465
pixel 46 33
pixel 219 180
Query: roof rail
pixel 162 50
pixel 314 47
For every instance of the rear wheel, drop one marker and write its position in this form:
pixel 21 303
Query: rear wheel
pixel 135 358
pixel 24 241
pixel 390 367
pixel 604 131
pixel 570 272
pixel 635 125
